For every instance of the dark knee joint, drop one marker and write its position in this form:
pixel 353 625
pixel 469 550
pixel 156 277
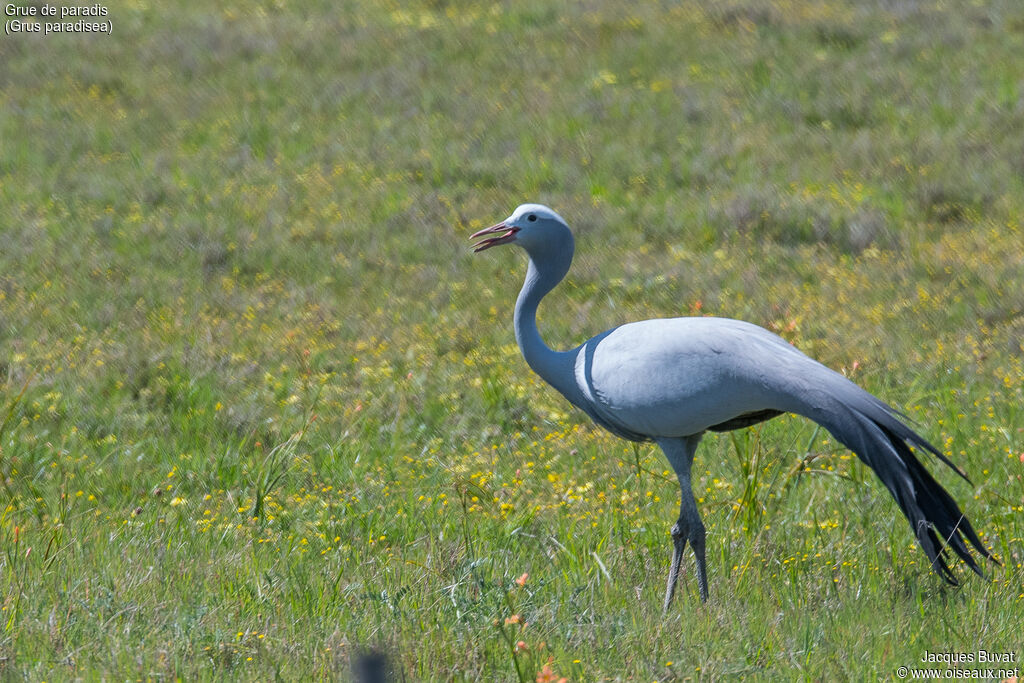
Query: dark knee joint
pixel 696 536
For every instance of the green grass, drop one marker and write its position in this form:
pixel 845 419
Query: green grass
pixel 262 409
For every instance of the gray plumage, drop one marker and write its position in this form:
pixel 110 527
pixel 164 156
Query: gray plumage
pixel 670 380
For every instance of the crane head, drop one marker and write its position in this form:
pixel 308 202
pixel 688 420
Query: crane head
pixel 526 225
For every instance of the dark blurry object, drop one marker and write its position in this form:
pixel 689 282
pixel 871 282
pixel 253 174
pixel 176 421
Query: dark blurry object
pixel 370 667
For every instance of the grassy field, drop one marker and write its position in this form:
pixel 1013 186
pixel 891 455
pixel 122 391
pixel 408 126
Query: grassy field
pixel 261 409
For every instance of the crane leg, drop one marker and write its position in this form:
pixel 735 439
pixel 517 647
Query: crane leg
pixel 678 543
pixel 689 526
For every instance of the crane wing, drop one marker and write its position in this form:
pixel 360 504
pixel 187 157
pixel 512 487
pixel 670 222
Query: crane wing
pixel 681 376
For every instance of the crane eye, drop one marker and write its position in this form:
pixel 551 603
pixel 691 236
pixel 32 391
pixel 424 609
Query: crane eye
pixel 531 218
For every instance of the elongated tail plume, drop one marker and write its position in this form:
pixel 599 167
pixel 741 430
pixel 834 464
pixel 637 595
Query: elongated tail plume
pixel 881 441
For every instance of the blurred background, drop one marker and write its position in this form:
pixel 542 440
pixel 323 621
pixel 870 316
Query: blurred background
pixel 261 405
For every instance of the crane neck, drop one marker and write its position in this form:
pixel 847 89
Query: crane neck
pixel 542 274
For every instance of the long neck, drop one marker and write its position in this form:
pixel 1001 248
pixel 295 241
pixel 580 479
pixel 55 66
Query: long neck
pixel 542 274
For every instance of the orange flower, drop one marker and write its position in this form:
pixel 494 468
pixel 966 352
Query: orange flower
pixel 521 581
pixel 514 619
pixel 520 646
pixel 547 675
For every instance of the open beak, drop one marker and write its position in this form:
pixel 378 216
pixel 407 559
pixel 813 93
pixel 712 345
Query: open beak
pixel 505 234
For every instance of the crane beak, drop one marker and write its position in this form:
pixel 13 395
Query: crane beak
pixel 509 235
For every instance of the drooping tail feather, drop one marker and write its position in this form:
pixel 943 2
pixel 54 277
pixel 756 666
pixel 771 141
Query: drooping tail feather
pixel 870 429
pixel 941 519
